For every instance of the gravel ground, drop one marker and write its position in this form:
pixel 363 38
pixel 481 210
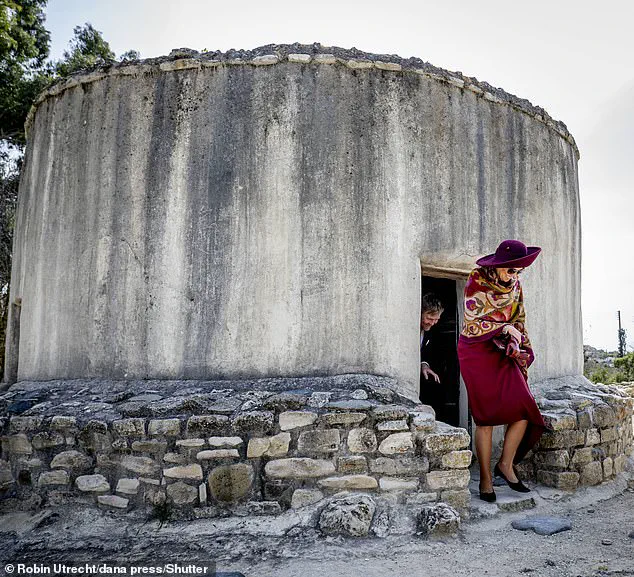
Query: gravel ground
pixel 598 545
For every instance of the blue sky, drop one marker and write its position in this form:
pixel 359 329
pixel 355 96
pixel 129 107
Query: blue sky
pixel 572 58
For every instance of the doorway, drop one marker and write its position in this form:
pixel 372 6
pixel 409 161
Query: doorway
pixel 444 397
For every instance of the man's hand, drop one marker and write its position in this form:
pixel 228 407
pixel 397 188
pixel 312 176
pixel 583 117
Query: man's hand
pixel 426 371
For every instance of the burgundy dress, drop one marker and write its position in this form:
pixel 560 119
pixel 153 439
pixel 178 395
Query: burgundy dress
pixel 497 384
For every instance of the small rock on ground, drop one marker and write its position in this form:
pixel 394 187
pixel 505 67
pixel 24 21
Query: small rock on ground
pixel 543 525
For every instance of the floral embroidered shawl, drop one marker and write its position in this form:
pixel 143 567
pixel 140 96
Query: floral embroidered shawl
pixel 488 307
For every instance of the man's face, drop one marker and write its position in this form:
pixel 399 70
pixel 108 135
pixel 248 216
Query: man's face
pixel 428 319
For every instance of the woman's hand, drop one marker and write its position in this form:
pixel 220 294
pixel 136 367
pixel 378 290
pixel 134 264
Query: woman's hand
pixel 511 330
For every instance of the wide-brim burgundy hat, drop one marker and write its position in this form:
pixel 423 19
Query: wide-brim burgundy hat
pixel 511 253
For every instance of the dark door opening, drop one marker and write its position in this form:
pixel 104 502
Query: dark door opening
pixel 443 357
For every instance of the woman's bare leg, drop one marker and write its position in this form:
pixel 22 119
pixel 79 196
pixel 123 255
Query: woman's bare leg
pixel 512 438
pixel 484 446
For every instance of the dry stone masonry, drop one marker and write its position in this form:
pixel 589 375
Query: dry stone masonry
pixel 591 436
pixel 347 444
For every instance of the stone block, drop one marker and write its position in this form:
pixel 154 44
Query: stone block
pixel 591 474
pixel 397 466
pixel 604 416
pixel 343 419
pixel 47 440
pixel 391 66
pixel 152 446
pixel 95 441
pixel 298 468
pixel 165 427
pixel 362 440
pixel 459 499
pixel 92 484
pixel 456 460
pixel 285 402
pixel 254 422
pixel 63 422
pixel 566 480
pixel 48 478
pixel 438 520
pixel 175 458
pixel 561 420
pixel 421 498
pixel 213 454
pixel 607 435
pixel 112 502
pixel 25 424
pixel 299 58
pixel 230 483
pixel 398 484
pixel 423 421
pixel 305 497
pixel 581 456
pixel 390 412
pixel 190 444
pixel 350 516
pixel 352 464
pixel 224 442
pixel 392 426
pixel 202 494
pixel 6 476
pixel 558 458
pixel 133 427
pixel 265 60
pixel 17 445
pixel 324 59
pixel 189 472
pixel 181 493
pixel 207 425
pixel 140 465
pixel 319 441
pixel 127 486
pixel 73 461
pixel 584 418
pixel 454 479
pixel 561 439
pixel 275 446
pixel 443 441
pixel 396 444
pixel 593 437
pixel 348 482
pixel 608 468
pixel 620 463
pixel 120 444
pixel 295 419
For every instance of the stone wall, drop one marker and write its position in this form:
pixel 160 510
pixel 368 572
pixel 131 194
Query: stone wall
pixel 217 449
pixel 591 436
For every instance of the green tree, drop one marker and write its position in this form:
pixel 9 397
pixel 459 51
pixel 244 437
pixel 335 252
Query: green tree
pixel 24 47
pixel 625 364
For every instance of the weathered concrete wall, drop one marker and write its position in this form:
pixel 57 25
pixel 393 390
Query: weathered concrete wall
pixel 236 221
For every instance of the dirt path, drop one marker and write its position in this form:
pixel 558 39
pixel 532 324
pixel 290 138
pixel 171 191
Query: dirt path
pixel 597 546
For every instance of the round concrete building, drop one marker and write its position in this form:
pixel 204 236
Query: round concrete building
pixel 277 213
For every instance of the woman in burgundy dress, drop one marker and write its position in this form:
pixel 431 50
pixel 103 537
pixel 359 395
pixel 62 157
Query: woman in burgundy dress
pixel 494 353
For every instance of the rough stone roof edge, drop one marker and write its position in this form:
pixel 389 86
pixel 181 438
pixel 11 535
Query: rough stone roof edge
pixel 186 58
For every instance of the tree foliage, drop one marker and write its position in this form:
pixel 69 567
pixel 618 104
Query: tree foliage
pixel 626 366
pixel 24 47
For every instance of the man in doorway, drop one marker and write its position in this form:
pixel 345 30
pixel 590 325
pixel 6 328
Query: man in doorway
pixel 430 391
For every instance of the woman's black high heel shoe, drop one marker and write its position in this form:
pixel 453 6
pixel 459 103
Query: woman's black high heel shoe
pixel 488 497
pixel 519 486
